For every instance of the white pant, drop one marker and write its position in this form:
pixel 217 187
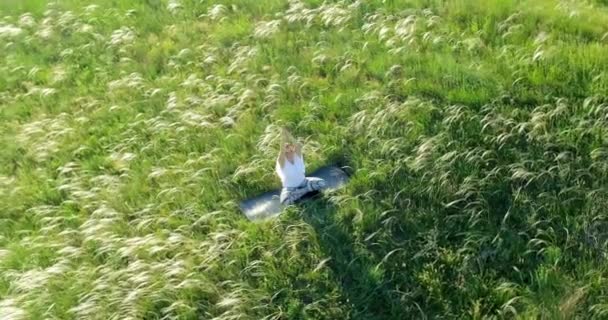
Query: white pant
pixel 290 195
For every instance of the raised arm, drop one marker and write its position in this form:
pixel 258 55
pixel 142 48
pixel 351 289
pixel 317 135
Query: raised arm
pixel 281 158
pixel 298 149
pixel 287 139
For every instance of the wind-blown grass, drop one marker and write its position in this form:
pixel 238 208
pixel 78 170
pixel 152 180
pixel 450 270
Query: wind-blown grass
pixel 475 130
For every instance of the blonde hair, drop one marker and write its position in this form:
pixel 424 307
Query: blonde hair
pixel 287 139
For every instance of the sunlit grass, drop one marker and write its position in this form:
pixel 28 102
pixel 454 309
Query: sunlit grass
pixel 475 131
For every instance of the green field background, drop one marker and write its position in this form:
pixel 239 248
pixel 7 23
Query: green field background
pixel 477 133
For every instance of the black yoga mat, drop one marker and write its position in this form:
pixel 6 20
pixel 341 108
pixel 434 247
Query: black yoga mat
pixel 267 204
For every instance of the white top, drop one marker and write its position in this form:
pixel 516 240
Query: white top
pixel 292 174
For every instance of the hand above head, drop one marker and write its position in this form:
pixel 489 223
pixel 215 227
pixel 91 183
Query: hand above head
pixel 286 136
pixel 289 146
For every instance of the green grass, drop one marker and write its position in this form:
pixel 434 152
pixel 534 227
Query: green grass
pixel 476 130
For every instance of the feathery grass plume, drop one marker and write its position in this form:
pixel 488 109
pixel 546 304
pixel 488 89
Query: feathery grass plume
pixel 9 310
pixel 266 29
pixel 217 12
pixel 10 31
pixel 174 6
pixel 121 37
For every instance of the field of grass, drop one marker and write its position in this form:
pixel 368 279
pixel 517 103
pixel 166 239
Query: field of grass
pixel 477 131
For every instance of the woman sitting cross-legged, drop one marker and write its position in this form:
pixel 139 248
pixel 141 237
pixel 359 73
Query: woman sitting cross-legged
pixel 290 168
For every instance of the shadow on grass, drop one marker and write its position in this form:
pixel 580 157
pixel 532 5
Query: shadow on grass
pixel 363 288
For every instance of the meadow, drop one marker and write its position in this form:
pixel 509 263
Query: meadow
pixel 476 132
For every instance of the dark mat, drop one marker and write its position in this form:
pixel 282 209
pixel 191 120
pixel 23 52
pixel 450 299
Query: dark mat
pixel 267 204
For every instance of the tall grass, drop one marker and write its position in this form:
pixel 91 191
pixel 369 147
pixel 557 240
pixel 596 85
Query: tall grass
pixel 475 130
